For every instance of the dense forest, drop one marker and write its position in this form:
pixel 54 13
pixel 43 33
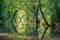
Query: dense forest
pixel 37 18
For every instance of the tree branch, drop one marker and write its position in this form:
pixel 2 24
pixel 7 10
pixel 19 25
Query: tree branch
pixel 12 21
pixel 43 18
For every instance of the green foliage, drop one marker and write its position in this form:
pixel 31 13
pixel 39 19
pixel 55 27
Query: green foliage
pixel 25 17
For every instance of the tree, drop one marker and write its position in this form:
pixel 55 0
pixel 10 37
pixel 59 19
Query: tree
pixel 1 16
pixel 55 18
